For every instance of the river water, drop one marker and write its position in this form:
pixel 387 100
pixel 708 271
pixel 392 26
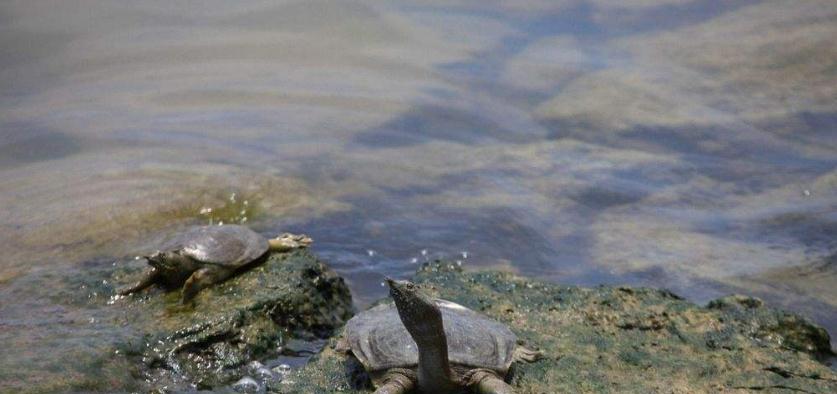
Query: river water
pixel 687 144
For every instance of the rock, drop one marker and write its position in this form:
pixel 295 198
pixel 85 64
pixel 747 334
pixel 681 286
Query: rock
pixel 619 339
pixel 214 342
pixel 781 328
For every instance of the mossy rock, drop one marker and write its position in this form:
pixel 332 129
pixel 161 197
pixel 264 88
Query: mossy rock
pixel 209 343
pixel 619 339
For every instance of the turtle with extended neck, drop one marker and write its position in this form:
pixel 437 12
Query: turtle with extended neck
pixel 426 345
pixel 205 255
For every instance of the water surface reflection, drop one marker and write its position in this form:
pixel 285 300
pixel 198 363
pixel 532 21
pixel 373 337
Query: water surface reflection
pixel 677 143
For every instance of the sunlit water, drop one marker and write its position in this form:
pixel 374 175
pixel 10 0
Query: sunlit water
pixel 671 143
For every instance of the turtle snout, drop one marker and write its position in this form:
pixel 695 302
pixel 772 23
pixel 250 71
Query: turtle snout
pixel 304 240
pixel 395 290
pixel 154 256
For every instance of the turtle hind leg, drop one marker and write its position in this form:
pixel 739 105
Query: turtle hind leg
pixel 148 278
pixel 397 381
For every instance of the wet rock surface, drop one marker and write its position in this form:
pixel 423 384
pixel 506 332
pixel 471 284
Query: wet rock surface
pixel 619 339
pixel 212 344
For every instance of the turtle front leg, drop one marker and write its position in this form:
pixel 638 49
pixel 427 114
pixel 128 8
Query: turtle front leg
pixel 202 279
pixel 397 381
pixel 484 381
pixel 149 277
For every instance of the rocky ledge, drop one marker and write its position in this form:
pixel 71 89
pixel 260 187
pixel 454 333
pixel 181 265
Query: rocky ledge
pixel 289 298
pixel 619 339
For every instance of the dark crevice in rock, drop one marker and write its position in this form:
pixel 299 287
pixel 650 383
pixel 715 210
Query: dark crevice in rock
pixel 775 386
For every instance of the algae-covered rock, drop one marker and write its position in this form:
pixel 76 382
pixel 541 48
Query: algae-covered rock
pixel 210 343
pixel 780 327
pixel 619 339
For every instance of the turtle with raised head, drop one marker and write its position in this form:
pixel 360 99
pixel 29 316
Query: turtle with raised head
pixel 426 345
pixel 205 255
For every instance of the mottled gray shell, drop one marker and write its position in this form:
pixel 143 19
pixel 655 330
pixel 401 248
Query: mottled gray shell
pixel 228 245
pixel 379 340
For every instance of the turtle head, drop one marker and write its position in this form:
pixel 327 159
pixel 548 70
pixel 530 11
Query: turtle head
pixel 417 311
pixel 172 267
pixel 288 241
pixel 159 260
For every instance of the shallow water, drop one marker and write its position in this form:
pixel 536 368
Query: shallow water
pixel 673 143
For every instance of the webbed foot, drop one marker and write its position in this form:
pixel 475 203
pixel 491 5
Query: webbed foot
pixel 485 381
pixel 397 381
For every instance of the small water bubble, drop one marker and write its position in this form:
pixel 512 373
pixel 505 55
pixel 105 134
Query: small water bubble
pixel 247 385
pixel 137 257
pixel 383 284
pixel 264 374
pixel 244 219
pixel 806 193
pixel 232 197
pixel 282 369
pixel 424 252
pixel 243 212
pixel 246 202
pixel 220 222
pixel 370 252
pixel 464 254
pixel 92 320
pixel 414 260
pixel 458 263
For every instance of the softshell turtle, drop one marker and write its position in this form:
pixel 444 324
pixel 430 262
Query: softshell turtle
pixel 426 345
pixel 202 256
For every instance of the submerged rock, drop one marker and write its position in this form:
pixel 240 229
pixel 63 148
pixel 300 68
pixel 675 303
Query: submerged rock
pixel 213 342
pixel 619 339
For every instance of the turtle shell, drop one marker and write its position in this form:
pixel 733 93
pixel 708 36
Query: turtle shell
pixel 380 341
pixel 227 245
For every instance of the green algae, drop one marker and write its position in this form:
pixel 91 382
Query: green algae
pixel 619 339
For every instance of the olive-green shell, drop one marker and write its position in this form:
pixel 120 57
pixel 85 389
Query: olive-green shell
pixel 379 340
pixel 227 245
